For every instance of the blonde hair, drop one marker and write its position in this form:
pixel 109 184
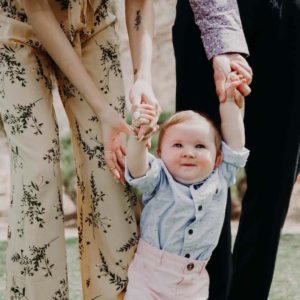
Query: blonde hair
pixel 188 115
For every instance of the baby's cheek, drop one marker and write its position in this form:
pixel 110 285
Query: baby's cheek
pixel 206 162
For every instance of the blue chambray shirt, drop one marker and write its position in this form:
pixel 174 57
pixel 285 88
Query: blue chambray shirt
pixel 185 219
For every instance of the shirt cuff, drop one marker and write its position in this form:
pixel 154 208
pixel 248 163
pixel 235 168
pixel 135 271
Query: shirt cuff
pixel 217 43
pixel 236 158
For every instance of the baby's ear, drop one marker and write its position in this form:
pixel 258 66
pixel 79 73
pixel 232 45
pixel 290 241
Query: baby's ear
pixel 219 159
pixel 158 152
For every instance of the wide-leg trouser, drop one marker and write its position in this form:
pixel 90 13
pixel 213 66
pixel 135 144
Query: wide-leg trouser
pixel 36 259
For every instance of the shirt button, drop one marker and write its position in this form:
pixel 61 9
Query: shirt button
pixel 190 266
pixel 187 255
pixel 200 207
pixel 191 231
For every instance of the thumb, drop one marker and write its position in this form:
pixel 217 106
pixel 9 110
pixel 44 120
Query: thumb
pixel 220 85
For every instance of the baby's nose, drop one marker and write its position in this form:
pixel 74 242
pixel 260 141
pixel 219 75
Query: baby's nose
pixel 188 153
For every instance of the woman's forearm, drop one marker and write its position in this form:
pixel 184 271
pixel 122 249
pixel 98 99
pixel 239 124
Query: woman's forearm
pixel 140 20
pixel 52 37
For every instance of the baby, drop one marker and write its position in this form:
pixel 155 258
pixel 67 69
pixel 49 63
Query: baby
pixel 184 196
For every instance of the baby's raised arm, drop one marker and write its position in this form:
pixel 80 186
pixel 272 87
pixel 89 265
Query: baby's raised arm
pixel 137 146
pixel 232 124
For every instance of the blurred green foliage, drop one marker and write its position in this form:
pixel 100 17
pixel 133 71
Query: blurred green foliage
pixel 68 167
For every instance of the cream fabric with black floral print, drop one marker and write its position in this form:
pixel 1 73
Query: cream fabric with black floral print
pixel 36 258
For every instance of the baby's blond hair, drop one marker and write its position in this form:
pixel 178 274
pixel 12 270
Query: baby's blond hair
pixel 185 116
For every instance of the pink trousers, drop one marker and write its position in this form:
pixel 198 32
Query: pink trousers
pixel 159 275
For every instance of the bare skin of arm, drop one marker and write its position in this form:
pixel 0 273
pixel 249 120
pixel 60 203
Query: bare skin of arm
pixel 137 149
pixel 42 20
pixel 137 161
pixel 232 124
pixel 140 27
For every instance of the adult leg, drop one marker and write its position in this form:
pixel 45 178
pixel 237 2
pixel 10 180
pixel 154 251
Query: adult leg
pixel 196 90
pixel 106 218
pixel 36 259
pixel 269 119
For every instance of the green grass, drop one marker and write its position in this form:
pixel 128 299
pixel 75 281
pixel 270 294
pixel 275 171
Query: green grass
pixel 285 284
pixel 287 272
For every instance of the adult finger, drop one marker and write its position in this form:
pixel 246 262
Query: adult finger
pixel 242 70
pixel 242 61
pixel 120 158
pixel 244 89
pixel 146 106
pixel 121 174
pixel 149 97
pixel 110 159
pixel 123 149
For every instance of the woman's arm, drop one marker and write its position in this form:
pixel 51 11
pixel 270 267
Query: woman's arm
pixel 139 20
pixel 52 37
pixel 140 27
pixel 48 31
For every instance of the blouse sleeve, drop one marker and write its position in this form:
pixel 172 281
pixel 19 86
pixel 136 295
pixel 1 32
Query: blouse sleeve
pixel 220 25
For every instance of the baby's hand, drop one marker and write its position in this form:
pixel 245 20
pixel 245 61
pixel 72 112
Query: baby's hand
pixel 144 120
pixel 232 94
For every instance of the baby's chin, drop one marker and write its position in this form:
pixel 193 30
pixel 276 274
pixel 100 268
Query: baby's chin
pixel 187 180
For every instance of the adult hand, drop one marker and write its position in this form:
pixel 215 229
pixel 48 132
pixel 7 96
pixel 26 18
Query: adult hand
pixel 233 81
pixel 223 64
pixel 142 92
pixel 112 127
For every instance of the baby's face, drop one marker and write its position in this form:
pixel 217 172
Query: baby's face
pixel 188 150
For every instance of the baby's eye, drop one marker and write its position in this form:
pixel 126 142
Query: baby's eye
pixel 177 145
pixel 200 146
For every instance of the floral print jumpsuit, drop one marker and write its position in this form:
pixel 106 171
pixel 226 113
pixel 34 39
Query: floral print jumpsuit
pixel 36 258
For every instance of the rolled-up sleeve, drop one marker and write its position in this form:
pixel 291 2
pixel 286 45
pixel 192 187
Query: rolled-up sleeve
pixel 232 162
pixel 220 25
pixel 147 183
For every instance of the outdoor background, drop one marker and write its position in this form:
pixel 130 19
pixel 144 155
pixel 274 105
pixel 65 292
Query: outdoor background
pixel 287 273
